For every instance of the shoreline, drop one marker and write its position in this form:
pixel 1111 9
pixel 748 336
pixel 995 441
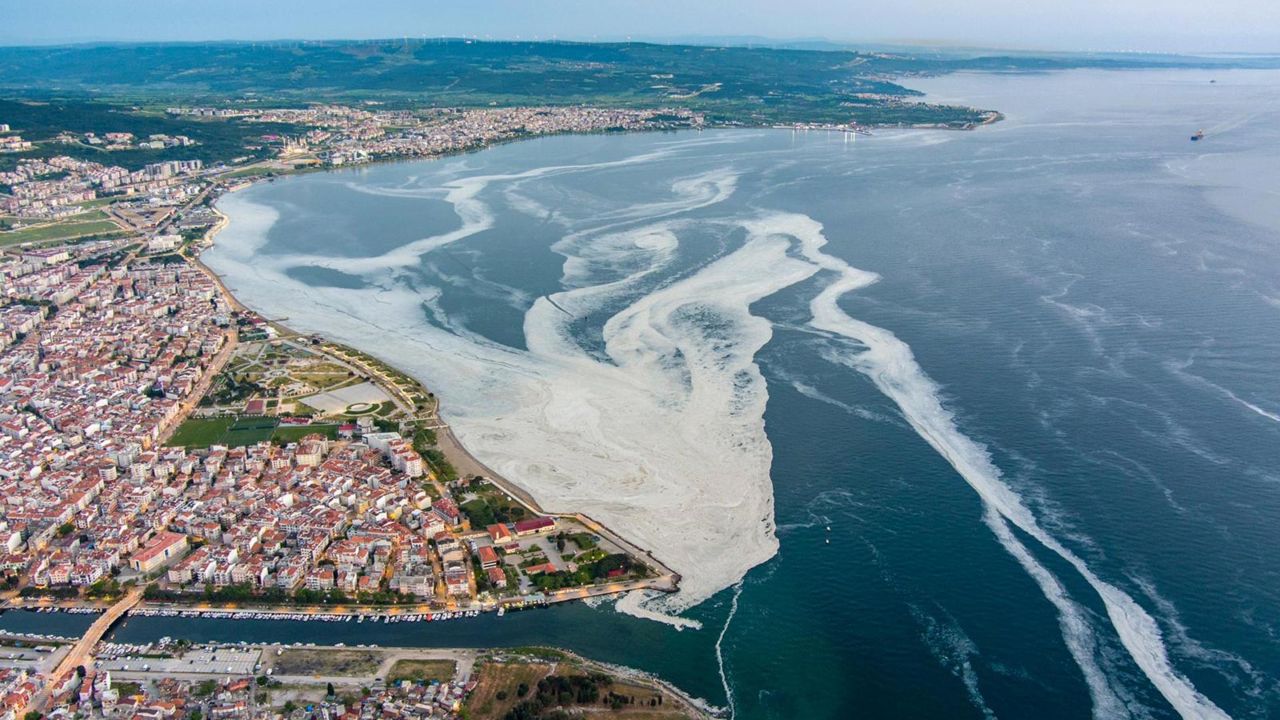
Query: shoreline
pixel 667 580
pixel 388 655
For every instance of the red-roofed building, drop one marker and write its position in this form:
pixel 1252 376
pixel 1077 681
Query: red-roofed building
pixel 447 509
pixel 161 550
pixel 497 577
pixel 533 526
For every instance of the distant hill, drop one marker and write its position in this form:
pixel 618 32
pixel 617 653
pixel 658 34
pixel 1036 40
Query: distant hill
pixel 731 83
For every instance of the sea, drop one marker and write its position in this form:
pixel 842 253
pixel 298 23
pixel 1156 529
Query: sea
pixel 934 424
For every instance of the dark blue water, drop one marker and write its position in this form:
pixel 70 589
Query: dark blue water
pixel 1098 302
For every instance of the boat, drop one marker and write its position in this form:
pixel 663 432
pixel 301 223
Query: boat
pixel 1198 136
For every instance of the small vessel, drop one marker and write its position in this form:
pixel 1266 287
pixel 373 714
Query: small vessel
pixel 1198 136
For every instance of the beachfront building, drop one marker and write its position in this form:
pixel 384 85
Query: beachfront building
pixel 535 526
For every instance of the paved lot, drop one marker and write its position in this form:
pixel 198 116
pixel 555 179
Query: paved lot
pixel 201 662
pixel 30 658
pixel 336 401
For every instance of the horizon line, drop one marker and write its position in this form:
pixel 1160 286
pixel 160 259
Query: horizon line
pixel 693 41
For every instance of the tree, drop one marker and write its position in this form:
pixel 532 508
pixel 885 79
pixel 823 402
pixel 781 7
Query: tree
pixel 289 707
pixel 66 529
pixel 330 691
pixel 205 688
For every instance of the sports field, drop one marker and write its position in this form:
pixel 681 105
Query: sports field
pixel 233 431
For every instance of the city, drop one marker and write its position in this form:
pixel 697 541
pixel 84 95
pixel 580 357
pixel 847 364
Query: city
pixel 639 359
pixel 165 450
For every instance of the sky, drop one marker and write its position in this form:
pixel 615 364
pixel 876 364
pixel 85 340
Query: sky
pixel 1117 25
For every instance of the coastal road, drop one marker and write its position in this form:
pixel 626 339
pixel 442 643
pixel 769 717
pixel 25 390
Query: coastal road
pixel 399 395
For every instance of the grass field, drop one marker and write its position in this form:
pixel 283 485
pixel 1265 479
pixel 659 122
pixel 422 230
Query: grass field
pixel 498 683
pixel 249 430
pixel 127 689
pixel 250 172
pixel 492 678
pixel 328 661
pixel 200 432
pixel 292 433
pixel 416 670
pixel 64 230
pixel 240 431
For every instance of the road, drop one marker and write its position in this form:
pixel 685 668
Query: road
pixel 192 400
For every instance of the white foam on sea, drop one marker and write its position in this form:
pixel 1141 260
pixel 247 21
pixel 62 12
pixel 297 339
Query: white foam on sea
pixel 891 366
pixel 637 604
pixel 955 650
pixel 724 673
pixel 657 429
pixel 1077 633
pixel 660 436
pixel 1181 370
pixel 463 195
pixel 666 435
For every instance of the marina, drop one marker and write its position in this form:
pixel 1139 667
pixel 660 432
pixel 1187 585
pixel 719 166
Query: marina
pixel 329 617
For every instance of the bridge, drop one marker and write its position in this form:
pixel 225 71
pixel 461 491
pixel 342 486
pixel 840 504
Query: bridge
pixel 82 652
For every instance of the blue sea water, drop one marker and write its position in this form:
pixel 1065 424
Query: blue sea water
pixel 1032 471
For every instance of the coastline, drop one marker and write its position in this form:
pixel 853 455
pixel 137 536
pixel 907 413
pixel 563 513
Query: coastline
pixel 455 452
pixel 110 612
pixel 386 656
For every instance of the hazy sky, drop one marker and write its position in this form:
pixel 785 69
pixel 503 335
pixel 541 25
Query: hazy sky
pixel 1169 25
